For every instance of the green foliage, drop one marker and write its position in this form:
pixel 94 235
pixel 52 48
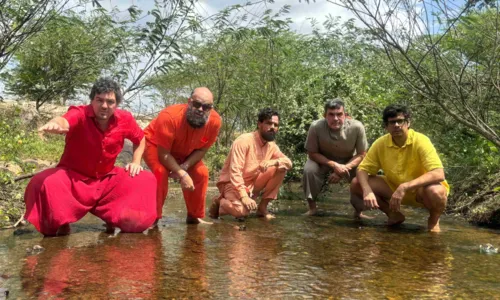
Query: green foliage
pixel 68 55
pixel 20 20
pixel 20 144
pixel 12 138
pixel 214 160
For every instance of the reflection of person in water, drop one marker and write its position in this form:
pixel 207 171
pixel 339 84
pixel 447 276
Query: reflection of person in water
pixel 187 277
pixel 250 270
pixel 124 267
pixel 402 272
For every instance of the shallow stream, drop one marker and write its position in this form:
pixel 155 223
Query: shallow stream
pixel 292 256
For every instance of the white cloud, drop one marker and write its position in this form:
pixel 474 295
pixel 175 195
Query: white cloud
pixel 300 12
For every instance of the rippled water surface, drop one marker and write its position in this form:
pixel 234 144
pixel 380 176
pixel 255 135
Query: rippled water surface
pixel 290 257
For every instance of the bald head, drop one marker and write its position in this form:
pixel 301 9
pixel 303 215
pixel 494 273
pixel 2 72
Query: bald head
pixel 203 95
pixel 200 104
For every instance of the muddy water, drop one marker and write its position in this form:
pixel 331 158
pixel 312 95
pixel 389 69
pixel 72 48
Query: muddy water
pixel 290 257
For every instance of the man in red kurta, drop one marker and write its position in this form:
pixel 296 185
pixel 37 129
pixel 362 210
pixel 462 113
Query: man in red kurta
pixel 176 142
pixel 86 180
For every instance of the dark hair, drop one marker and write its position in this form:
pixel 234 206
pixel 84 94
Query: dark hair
pixel 266 114
pixel 336 103
pixel 106 85
pixel 394 110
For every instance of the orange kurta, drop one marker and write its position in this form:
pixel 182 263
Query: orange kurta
pixel 241 176
pixel 171 131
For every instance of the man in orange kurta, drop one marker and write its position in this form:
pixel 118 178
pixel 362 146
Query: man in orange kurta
pixel 254 165
pixel 176 142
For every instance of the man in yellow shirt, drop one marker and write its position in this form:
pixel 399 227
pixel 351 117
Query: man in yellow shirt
pixel 413 173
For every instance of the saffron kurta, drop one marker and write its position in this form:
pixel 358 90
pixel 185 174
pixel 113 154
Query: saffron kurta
pixel 171 131
pixel 241 176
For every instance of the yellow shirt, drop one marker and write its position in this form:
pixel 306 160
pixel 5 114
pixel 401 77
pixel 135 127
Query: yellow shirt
pixel 402 164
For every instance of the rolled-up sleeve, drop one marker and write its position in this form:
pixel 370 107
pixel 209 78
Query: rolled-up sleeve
pixel 428 155
pixel 135 133
pixel 371 162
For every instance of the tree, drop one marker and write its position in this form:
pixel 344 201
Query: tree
pixel 69 54
pixel 269 65
pixel 435 47
pixel 21 19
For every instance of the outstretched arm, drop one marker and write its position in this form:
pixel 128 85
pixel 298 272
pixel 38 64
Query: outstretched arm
pixel 58 125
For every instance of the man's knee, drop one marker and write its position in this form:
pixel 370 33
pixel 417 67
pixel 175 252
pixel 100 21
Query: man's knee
pixel 435 196
pixel 275 171
pixel 135 223
pixel 241 213
pixel 311 168
pixel 47 178
pixel 355 187
pixel 145 177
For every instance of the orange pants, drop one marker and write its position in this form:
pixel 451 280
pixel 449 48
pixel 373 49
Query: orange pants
pixel 195 200
pixel 268 183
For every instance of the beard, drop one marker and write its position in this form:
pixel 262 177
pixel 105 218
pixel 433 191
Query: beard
pixel 268 136
pixel 196 120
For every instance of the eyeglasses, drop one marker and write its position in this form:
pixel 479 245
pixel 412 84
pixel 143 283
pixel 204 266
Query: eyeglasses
pixel 398 122
pixel 197 104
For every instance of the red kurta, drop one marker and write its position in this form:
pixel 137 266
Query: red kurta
pixel 86 179
pixel 171 131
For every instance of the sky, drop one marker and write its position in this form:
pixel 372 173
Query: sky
pixel 300 12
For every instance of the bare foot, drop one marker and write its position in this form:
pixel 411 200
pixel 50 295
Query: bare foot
pixel 213 212
pixel 311 212
pixel 155 224
pixel 360 216
pixel 433 225
pixel 63 230
pixel 109 228
pixel 395 218
pixel 267 215
pixel 191 220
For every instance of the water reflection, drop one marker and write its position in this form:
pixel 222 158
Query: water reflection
pixel 290 257
pixel 251 260
pixel 399 270
pixel 185 270
pixel 121 267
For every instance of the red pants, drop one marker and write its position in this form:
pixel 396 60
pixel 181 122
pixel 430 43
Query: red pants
pixel 60 196
pixel 195 200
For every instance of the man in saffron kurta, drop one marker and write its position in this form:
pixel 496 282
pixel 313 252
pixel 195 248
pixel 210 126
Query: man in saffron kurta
pixel 413 172
pixel 255 164
pixel 176 142
pixel 86 180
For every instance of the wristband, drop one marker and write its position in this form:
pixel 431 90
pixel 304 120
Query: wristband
pixel 185 173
